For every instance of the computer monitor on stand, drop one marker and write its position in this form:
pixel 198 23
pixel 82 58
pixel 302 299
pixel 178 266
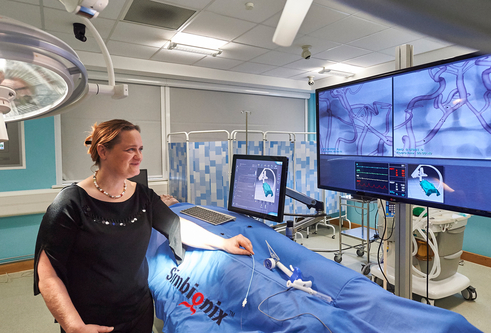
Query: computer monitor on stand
pixel 258 186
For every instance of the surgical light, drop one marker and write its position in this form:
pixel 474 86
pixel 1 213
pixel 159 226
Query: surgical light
pixel 44 73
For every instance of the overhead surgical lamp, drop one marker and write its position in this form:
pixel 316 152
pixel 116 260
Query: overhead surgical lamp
pixel 40 75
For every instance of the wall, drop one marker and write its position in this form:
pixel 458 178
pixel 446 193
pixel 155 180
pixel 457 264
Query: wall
pixel 18 233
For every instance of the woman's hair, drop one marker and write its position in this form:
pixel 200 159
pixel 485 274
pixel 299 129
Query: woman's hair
pixel 107 134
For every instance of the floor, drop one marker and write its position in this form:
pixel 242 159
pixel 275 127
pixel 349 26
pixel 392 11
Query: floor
pixel 17 302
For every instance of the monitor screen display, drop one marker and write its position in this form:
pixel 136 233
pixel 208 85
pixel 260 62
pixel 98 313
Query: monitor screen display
pixel 421 135
pixel 258 186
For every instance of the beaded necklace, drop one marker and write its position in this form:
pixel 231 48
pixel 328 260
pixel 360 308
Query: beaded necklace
pixel 104 192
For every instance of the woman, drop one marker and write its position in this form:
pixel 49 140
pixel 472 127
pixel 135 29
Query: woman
pixel 90 262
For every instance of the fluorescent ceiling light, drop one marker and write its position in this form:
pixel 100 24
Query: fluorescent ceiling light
pixel 335 72
pixel 199 41
pixel 193 49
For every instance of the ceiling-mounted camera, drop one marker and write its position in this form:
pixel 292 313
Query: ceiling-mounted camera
pixel 311 81
pixel 79 31
pixel 306 54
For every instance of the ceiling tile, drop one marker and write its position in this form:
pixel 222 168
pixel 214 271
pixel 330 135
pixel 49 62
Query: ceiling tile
pixel 385 39
pixel 241 51
pixel 131 50
pixel 218 26
pixel 337 5
pixel 313 64
pixel 263 9
pixel 428 44
pixel 341 53
pixel 374 19
pixel 318 17
pixel 178 57
pixel 305 76
pixel 348 29
pixel 89 46
pixel 141 34
pixel 370 59
pixel 252 68
pixel 276 58
pixel 113 9
pixel 58 20
pixel 217 63
pixel 23 12
pixel 261 36
pixel 32 2
pixel 336 32
pixel 272 21
pixel 283 72
pixel 54 4
pixel 191 4
pixel 317 45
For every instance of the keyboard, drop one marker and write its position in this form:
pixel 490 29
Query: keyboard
pixel 207 215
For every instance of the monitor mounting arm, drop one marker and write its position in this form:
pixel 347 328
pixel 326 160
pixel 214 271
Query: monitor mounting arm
pixel 308 201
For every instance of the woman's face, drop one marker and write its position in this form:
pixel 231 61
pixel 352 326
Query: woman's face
pixel 125 157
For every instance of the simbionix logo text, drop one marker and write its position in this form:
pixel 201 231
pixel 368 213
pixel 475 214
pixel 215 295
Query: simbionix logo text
pixel 197 299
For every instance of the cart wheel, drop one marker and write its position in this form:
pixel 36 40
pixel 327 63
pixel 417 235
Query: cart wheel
pixel 360 252
pixel 365 269
pixel 338 258
pixel 428 301
pixel 469 293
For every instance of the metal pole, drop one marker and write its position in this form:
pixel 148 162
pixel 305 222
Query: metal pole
pixel 403 259
pixel 403 217
pixel 247 130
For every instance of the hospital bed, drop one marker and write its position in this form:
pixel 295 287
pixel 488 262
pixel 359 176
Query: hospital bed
pixel 206 292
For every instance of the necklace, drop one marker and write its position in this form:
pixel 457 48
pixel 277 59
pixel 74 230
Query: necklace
pixel 101 190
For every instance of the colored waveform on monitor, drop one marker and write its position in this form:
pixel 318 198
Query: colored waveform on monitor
pixel 372 177
pixel 372 186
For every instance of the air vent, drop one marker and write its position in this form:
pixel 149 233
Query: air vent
pixel 158 14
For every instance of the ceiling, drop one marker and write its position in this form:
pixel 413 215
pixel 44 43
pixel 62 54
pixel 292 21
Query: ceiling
pixel 337 34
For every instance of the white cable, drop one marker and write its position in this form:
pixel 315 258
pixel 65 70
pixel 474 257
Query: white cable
pixel 244 302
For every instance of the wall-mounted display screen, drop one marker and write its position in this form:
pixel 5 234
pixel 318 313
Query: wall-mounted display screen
pixel 420 135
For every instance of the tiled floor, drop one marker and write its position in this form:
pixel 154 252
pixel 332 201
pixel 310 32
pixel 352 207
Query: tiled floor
pixel 21 312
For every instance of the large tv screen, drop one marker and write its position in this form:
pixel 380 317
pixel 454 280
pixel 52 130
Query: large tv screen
pixel 420 135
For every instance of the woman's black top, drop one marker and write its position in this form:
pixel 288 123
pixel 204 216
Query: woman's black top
pixel 98 249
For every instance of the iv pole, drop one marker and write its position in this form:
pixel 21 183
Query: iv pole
pixel 247 130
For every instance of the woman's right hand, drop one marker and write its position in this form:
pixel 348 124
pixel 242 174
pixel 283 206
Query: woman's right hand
pixel 94 329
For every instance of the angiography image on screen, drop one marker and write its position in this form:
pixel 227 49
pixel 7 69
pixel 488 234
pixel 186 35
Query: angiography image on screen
pixel 447 114
pixel 356 119
pixel 265 187
pixel 425 182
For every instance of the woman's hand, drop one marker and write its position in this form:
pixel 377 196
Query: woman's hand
pixel 94 329
pixel 238 245
pixel 169 200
